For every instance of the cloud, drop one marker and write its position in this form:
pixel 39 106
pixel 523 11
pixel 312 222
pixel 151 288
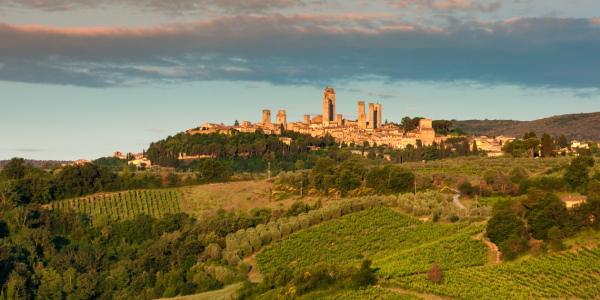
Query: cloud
pixel 380 94
pixel 152 129
pixel 307 49
pixel 446 5
pixel 168 7
pixel 27 150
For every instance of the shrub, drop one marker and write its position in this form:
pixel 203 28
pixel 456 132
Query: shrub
pixel 435 273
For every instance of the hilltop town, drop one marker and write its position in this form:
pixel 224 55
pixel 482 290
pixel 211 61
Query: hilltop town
pixel 367 129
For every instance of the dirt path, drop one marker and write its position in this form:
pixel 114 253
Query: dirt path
pixel 494 249
pixel 424 296
pixel 455 200
pixel 254 275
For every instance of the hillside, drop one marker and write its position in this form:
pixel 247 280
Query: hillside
pixel 38 163
pixel 574 126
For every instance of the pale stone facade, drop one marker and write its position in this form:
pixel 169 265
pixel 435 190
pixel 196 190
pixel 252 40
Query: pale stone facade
pixel 266 116
pixel 281 118
pixel 329 105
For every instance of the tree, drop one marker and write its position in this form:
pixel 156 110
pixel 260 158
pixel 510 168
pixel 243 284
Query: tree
pixel 400 179
pixel 459 131
pixel 475 150
pixel 518 173
pixel 547 145
pixel 562 141
pixel 371 154
pixel 555 233
pixel 236 123
pixel 435 273
pixel 578 171
pixel 530 144
pixel 503 224
pixel 212 171
pixel 364 276
pixel 430 153
pixel 509 148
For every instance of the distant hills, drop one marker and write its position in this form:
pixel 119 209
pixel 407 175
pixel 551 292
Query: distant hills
pixel 575 126
pixel 38 163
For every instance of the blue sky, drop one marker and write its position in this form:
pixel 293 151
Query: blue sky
pixel 81 80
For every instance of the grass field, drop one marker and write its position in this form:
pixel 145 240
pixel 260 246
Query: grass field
pixel 242 195
pixel 225 293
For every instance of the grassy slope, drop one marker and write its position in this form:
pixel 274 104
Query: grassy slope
pixel 574 126
pixel 243 195
pixel 223 294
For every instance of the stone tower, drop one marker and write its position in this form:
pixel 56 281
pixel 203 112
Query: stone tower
pixel 339 119
pixel 281 118
pixel 266 116
pixel 371 116
pixel 307 119
pixel 362 116
pixel 329 105
pixel 378 110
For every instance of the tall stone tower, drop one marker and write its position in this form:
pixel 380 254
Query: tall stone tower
pixel 339 119
pixel 378 121
pixel 362 116
pixel 371 116
pixel 266 116
pixel 281 118
pixel 307 119
pixel 329 105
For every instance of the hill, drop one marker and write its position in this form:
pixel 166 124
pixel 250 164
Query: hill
pixel 39 163
pixel 574 126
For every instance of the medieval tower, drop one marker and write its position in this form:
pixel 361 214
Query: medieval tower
pixel 329 105
pixel 281 118
pixel 266 116
pixel 362 116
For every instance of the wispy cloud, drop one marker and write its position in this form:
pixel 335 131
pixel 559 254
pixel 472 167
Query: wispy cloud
pixel 379 94
pixel 411 108
pixel 446 5
pixel 168 7
pixel 148 128
pixel 27 150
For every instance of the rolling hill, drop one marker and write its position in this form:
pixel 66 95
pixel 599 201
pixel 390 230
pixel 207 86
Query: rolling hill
pixel 584 126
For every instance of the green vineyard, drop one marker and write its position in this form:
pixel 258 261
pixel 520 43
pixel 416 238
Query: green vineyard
pixel 397 244
pixel 372 293
pixel 124 205
pixel 568 275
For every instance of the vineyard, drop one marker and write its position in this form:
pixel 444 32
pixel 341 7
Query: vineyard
pixel 124 205
pixel 397 244
pixel 372 293
pixel 568 275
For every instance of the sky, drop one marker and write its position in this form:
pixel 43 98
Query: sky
pixel 83 79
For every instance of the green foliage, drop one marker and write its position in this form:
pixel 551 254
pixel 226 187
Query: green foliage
pixel 397 245
pixel 213 171
pixel 125 205
pixel 578 171
pixel 502 225
pixel 567 276
pixel 372 293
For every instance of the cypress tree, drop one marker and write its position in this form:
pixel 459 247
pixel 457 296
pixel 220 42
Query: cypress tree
pixel 475 151
pixel 547 145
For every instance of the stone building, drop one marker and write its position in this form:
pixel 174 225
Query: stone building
pixel 266 116
pixel 329 105
pixel 281 118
